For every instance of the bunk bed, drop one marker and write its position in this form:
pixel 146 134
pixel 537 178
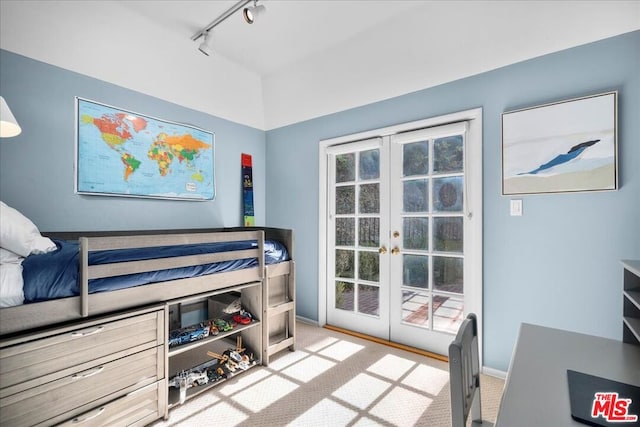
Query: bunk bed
pixel 244 264
pixel 100 353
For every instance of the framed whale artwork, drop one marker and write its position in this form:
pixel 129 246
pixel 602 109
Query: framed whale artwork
pixel 566 146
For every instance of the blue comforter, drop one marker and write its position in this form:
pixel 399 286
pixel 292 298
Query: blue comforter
pixel 55 274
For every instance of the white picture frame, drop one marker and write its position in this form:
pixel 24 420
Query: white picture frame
pixel 565 146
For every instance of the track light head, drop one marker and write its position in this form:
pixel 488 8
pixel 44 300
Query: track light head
pixel 250 14
pixel 205 46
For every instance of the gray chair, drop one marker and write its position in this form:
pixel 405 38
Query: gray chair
pixel 464 375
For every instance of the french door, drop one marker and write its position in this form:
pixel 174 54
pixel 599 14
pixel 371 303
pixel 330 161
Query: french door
pixel 400 262
pixel 359 194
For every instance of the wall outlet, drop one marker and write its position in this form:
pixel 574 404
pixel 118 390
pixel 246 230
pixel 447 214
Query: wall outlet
pixel 516 207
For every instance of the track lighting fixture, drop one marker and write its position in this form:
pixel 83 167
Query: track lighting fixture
pixel 251 13
pixel 206 45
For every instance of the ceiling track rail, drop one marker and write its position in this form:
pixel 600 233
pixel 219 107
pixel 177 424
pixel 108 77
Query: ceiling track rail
pixel 233 9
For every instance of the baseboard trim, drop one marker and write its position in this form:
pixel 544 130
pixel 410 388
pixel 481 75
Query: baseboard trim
pixel 389 343
pixel 308 321
pixel 494 372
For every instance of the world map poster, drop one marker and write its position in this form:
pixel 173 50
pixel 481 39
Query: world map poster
pixel 121 153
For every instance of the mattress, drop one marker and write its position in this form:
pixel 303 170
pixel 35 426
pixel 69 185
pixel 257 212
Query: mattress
pixel 55 274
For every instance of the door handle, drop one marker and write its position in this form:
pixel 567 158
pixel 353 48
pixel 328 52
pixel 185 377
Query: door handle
pixel 382 250
pixel 395 250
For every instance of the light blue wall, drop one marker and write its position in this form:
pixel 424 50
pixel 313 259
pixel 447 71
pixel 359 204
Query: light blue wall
pixel 558 265
pixel 37 166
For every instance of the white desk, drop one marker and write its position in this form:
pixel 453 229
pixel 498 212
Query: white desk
pixel 536 391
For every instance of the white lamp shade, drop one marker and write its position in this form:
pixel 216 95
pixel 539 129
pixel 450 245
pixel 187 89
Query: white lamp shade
pixel 8 124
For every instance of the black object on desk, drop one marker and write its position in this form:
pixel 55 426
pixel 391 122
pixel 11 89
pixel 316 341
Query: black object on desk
pixel 598 401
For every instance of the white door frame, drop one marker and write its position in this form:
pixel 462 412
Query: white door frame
pixel 473 173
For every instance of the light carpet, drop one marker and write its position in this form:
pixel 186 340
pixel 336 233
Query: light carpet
pixel 333 379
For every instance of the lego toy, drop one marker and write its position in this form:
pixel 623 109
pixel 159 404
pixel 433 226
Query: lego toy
pixel 185 379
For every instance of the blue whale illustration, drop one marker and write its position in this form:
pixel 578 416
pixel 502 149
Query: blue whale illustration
pixel 574 152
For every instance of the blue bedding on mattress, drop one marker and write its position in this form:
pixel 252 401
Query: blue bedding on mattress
pixel 55 274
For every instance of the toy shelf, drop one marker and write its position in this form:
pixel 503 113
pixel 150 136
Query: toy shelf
pixel 198 357
pixel 194 344
pixel 194 359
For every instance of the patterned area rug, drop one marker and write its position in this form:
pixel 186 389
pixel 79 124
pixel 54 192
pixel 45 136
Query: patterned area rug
pixel 333 379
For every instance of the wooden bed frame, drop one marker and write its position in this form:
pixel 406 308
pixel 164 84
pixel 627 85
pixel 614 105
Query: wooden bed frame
pixel 107 354
pixel 28 317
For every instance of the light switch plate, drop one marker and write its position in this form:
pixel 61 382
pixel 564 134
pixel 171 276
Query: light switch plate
pixel 516 207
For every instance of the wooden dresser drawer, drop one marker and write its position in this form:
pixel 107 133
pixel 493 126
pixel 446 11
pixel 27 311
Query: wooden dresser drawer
pixel 35 359
pixel 138 408
pixel 47 401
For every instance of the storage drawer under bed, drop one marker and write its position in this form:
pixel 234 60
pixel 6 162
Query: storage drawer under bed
pixel 39 404
pixel 24 365
pixel 137 408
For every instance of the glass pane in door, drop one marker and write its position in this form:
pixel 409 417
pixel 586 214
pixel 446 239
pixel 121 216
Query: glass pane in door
pixel 415 307
pixel 415 158
pixel 369 232
pixel 415 195
pixel 369 199
pixel 415 233
pixel 369 164
pixel 415 271
pixel 345 167
pixel 446 313
pixel 345 232
pixel 448 154
pixel 357 232
pixel 447 194
pixel 369 299
pixel 344 295
pixel 369 266
pixel 448 234
pixel 448 274
pixel 344 263
pixel 345 199
pixel 447 269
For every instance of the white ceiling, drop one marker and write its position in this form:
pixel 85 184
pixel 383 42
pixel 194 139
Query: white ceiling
pixel 302 59
pixel 288 32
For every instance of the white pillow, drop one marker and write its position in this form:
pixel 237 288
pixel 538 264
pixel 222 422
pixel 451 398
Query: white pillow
pixel 19 235
pixel 11 285
pixel 8 257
